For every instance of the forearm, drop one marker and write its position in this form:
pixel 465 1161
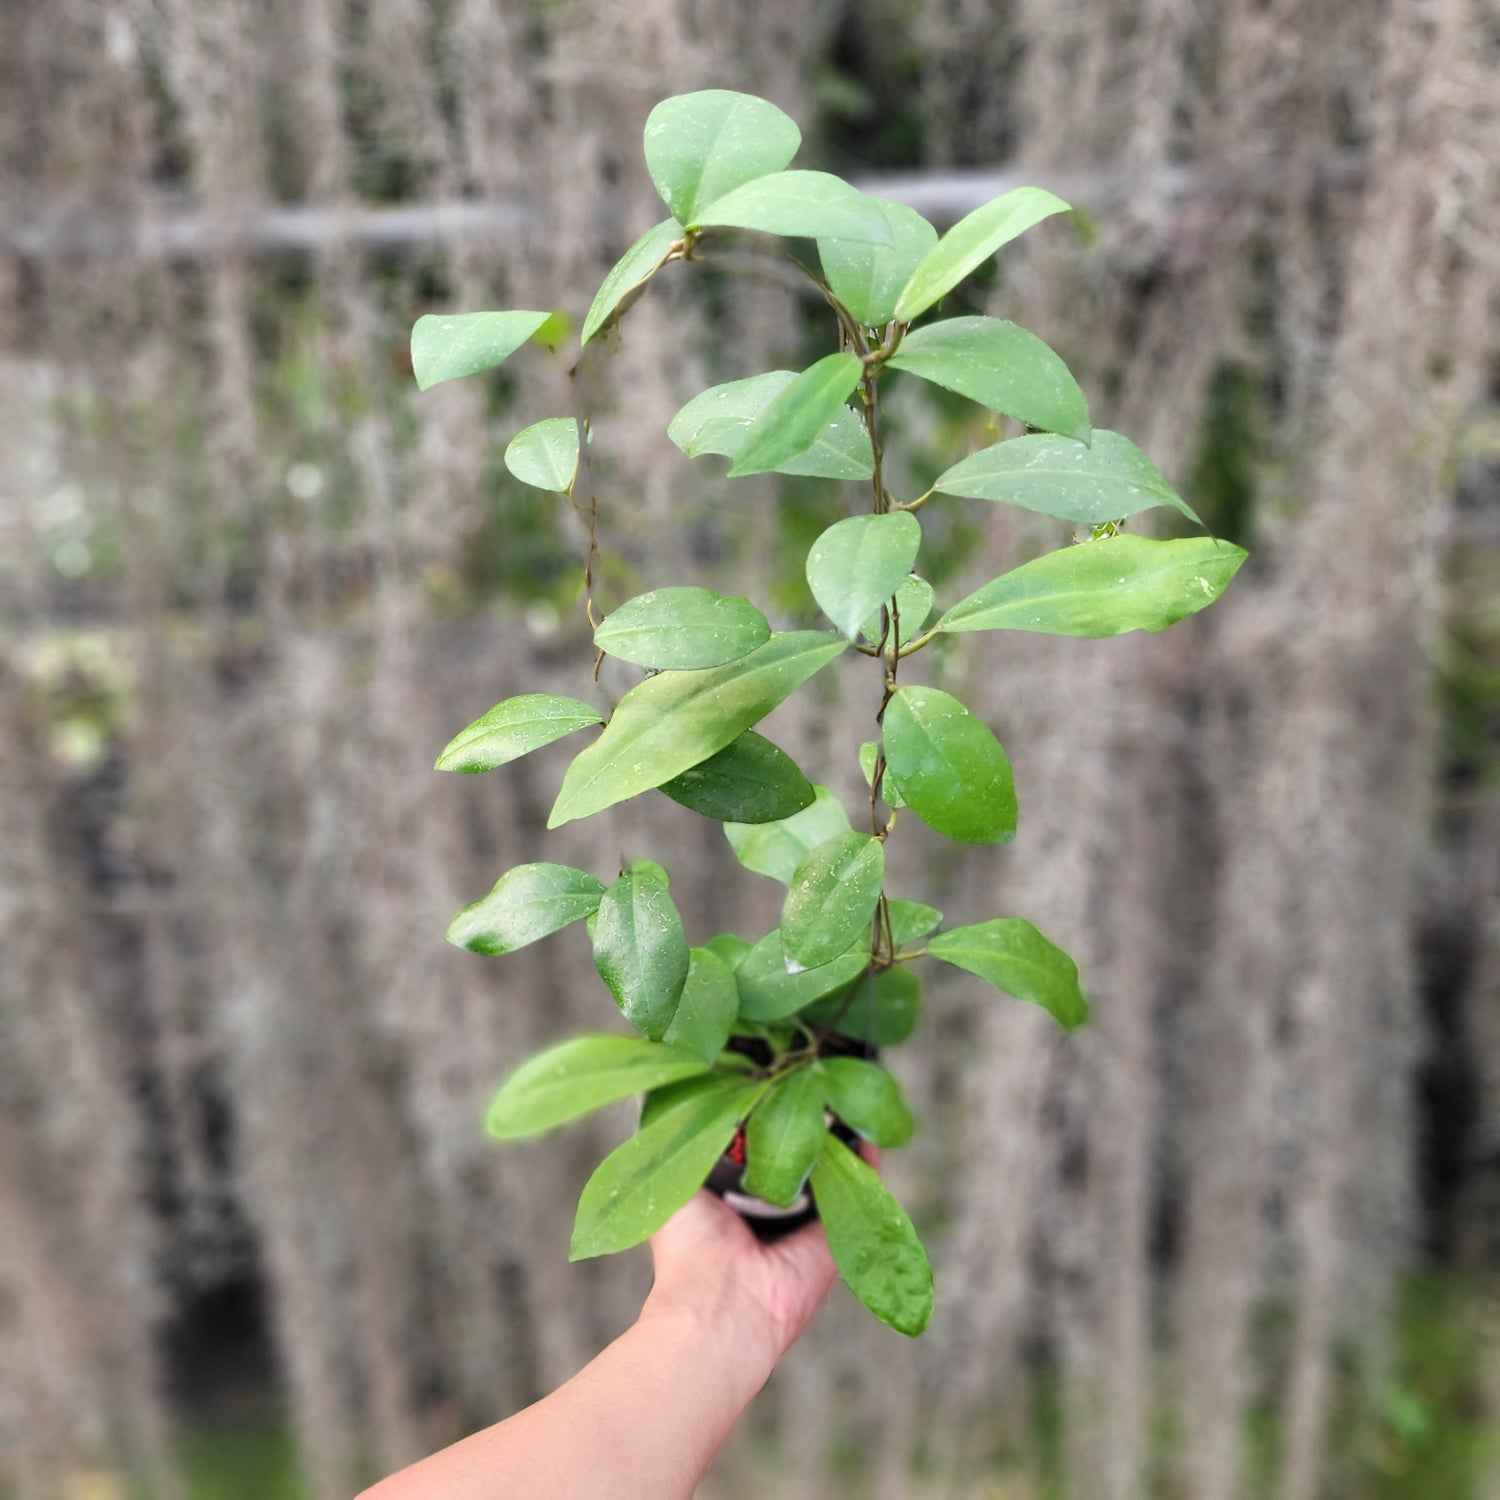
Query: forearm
pixel 643 1419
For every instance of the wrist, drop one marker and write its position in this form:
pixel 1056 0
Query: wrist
pixel 723 1327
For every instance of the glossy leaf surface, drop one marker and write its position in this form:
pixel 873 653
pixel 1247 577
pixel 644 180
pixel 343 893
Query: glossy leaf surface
pixel 881 1008
pixel 682 629
pixel 672 1096
pixel 708 1007
pixel 1107 481
pixel 971 242
pixel 890 793
pixel 832 898
pixel 676 720
pixel 445 346
pixel 814 204
pixel 867 1099
pixel 525 904
pixel 783 1139
pixel 1102 588
pixel 1001 366
pixel 700 146
pixel 1016 958
pixel 582 1075
pixel 514 728
pixel 629 275
pixel 860 562
pixel 874 1244
pixel 730 947
pixel 748 781
pixel 641 1184
pixel 949 767
pixel 776 849
pixel 913 603
pixel 911 920
pixel 545 454
pixel 640 951
pixel 769 990
pixel 718 420
pixel 868 279
pixel 797 415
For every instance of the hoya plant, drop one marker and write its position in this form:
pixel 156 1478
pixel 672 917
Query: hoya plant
pixel 762 1052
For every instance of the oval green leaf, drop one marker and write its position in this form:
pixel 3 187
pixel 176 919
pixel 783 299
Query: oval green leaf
pixel 776 849
pixel 708 1007
pixel 769 989
pixel 999 365
pixel 629 275
pixel 880 1009
pixel 793 419
pixel 874 1244
pixel 1108 481
pixel 513 728
pixel 749 781
pixel 718 420
pixel 1102 588
pixel 445 346
pixel 730 947
pixel 674 1095
pixel 868 279
pixel 783 1139
pixel 676 720
pixel 890 793
pixel 526 903
pixel 911 920
pixel 1016 958
pixel 971 242
pixel 814 204
pixel 582 1075
pixel 545 454
pixel 867 1099
pixel 700 146
pixel 641 1184
pixel 832 898
pixel 640 951
pixel 949 767
pixel 860 562
pixel 682 629
pixel 913 604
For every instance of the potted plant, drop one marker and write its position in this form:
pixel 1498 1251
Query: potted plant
pixel 757 1048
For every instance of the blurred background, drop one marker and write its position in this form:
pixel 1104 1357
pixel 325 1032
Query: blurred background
pixel 1241 1236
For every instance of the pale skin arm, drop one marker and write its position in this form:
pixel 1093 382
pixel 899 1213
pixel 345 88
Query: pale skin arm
pixel 646 1417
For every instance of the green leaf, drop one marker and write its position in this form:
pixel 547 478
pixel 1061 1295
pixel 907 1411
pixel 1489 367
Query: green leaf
pixel 868 278
pixel 1108 481
pixel 641 1184
pixel 783 1138
pixel 629 275
pixel 676 720
pixel 581 1075
pixel 672 1096
pixel 971 242
pixel 769 990
pixel 682 629
pixel 525 904
pixel 545 454
pixel 1102 588
pixel 513 728
pixel 447 345
pixel 860 562
pixel 640 951
pixel 867 1099
pixel 949 767
pixel 911 920
pixel 776 849
pixel 815 204
pixel 874 1244
pixel 913 603
pixel 730 947
pixel 708 1007
pixel 999 365
pixel 718 420
pixel 701 146
pixel 832 898
pixel 878 1008
pixel 749 781
pixel 1016 958
pixel 890 793
pixel 793 419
